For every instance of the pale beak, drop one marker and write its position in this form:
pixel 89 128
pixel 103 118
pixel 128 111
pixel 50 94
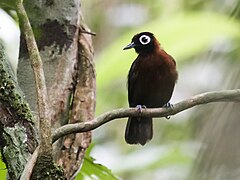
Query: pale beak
pixel 131 45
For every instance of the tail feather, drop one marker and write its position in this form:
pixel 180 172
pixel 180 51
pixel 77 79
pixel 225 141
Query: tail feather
pixel 139 130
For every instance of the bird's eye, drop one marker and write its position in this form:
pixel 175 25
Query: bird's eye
pixel 144 39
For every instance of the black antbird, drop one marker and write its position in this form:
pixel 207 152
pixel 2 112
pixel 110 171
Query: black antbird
pixel 151 81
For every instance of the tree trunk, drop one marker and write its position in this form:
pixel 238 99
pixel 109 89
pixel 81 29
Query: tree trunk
pixel 17 133
pixel 67 54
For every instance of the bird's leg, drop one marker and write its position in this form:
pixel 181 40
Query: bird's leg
pixel 168 105
pixel 140 108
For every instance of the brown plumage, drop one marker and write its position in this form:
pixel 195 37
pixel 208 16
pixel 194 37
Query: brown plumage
pixel 151 81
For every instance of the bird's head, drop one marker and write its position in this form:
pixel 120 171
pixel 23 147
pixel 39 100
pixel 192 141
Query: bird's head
pixel 144 42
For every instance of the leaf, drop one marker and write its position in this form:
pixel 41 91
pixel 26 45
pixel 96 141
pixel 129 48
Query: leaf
pixel 92 170
pixel 3 169
pixel 8 4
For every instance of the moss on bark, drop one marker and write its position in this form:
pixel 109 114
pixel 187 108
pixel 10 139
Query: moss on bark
pixel 45 169
pixel 17 133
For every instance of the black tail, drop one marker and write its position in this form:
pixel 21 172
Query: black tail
pixel 139 130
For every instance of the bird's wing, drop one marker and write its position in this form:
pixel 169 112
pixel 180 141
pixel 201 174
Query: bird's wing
pixel 132 79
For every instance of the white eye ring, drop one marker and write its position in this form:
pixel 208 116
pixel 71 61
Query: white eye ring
pixel 144 39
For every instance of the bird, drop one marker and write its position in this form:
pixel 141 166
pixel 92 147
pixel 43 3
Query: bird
pixel 151 81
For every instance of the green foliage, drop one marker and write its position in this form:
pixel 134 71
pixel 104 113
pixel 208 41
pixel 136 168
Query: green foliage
pixel 92 170
pixel 8 4
pixel 3 170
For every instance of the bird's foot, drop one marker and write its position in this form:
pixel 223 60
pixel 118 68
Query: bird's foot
pixel 168 105
pixel 140 108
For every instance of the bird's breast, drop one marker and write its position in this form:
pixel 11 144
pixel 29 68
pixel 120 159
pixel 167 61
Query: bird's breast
pixel 152 80
pixel 154 69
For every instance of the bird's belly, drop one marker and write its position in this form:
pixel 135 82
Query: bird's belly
pixel 153 92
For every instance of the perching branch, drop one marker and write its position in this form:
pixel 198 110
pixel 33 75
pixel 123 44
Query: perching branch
pixel 217 96
pixel 36 63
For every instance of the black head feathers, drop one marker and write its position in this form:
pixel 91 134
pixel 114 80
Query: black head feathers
pixel 144 42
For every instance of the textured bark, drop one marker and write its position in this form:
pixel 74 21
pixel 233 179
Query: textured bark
pixel 17 133
pixel 83 107
pixel 46 169
pixel 69 72
pixel 39 77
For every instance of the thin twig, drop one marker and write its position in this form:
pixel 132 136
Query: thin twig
pixel 209 97
pixel 36 63
pixel 88 32
pixel 27 172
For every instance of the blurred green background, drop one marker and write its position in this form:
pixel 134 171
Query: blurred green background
pixel 204 39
